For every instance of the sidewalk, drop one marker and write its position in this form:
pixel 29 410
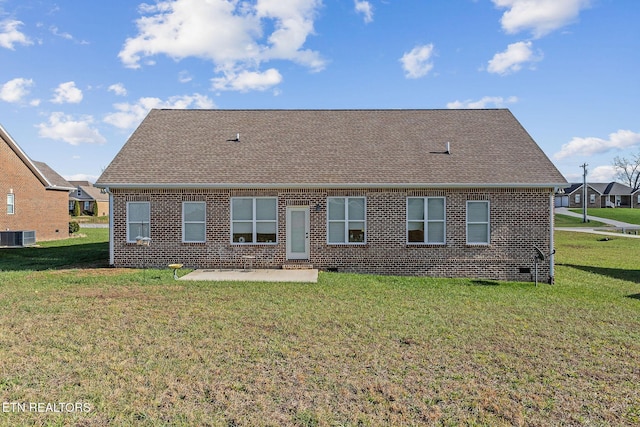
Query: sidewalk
pixel 611 222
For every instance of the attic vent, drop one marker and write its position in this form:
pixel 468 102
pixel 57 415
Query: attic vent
pixel 447 150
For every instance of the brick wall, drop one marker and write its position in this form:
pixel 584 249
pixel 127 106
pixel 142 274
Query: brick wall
pixel 520 220
pixel 45 211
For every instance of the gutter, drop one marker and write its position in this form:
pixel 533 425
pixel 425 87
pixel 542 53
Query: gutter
pixel 338 186
pixel 111 251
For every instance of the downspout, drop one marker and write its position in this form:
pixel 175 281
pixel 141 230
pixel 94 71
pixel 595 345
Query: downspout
pixel 111 254
pixel 552 251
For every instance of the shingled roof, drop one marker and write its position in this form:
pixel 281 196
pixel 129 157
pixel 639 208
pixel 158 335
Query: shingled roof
pixel 330 148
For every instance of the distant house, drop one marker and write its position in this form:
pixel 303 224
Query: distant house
pixel 599 195
pixel 89 198
pixel 36 196
pixel 447 193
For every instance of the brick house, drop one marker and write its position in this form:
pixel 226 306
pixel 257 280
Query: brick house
pixel 599 195
pixel 89 197
pixel 447 193
pixel 36 196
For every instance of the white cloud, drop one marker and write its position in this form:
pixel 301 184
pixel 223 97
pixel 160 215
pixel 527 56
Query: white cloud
pixel 365 8
pixel 81 176
pixel 248 80
pixel 602 174
pixel 15 90
pixel 235 36
pixel 484 102
pixel 417 63
pixel 184 76
pixel 512 59
pixel 589 146
pixel 56 32
pixel 63 127
pixel 67 93
pixel 540 16
pixel 10 35
pixel 118 89
pixel 128 115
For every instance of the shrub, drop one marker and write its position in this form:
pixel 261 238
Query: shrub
pixel 74 227
pixel 76 208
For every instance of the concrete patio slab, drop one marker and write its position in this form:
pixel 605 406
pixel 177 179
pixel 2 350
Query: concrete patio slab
pixel 259 275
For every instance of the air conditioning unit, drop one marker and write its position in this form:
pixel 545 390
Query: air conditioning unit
pixel 17 238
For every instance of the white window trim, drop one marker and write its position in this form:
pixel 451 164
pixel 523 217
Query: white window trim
pixel 592 198
pixel 132 239
pixel 253 221
pixel 577 198
pixel 426 221
pixel 346 221
pixel 11 204
pixel 488 223
pixel 203 222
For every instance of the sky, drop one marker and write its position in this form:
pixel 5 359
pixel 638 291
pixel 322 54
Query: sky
pixel 77 77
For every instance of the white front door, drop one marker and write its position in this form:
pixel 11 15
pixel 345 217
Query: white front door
pixel 297 232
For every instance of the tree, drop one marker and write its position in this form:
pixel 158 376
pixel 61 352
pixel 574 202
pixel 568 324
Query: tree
pixel 94 211
pixel 76 208
pixel 628 170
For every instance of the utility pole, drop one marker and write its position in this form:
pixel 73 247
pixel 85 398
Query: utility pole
pixel 584 192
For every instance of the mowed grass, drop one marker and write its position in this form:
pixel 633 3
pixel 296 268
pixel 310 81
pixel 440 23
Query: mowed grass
pixel 140 348
pixel 632 216
pixel 571 221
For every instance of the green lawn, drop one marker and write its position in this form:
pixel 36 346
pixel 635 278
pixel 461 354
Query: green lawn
pixel 571 221
pixel 632 216
pixel 140 348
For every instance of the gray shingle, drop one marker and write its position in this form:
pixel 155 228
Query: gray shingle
pixel 332 147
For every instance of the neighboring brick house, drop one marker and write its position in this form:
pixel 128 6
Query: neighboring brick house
pixel 599 195
pixel 447 193
pixel 36 197
pixel 89 197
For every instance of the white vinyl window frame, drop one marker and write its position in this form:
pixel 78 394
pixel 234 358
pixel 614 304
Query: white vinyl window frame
pixel 347 220
pixel 433 223
pixel 253 221
pixel 138 220
pixel 478 222
pixel 577 198
pixel 592 198
pixel 194 222
pixel 11 204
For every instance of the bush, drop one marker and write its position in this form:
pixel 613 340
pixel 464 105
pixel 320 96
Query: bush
pixel 76 208
pixel 74 227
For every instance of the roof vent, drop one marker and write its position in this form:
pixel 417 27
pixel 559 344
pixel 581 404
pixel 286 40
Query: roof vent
pixel 236 139
pixel 448 148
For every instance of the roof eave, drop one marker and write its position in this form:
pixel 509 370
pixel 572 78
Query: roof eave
pixel 339 186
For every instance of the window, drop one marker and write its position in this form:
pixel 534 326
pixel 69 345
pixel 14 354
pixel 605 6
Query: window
pixel 87 206
pixel 193 222
pixel 478 231
pixel 592 198
pixel 11 204
pixel 346 220
pixel 577 197
pixel 426 220
pixel 254 219
pixel 138 220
